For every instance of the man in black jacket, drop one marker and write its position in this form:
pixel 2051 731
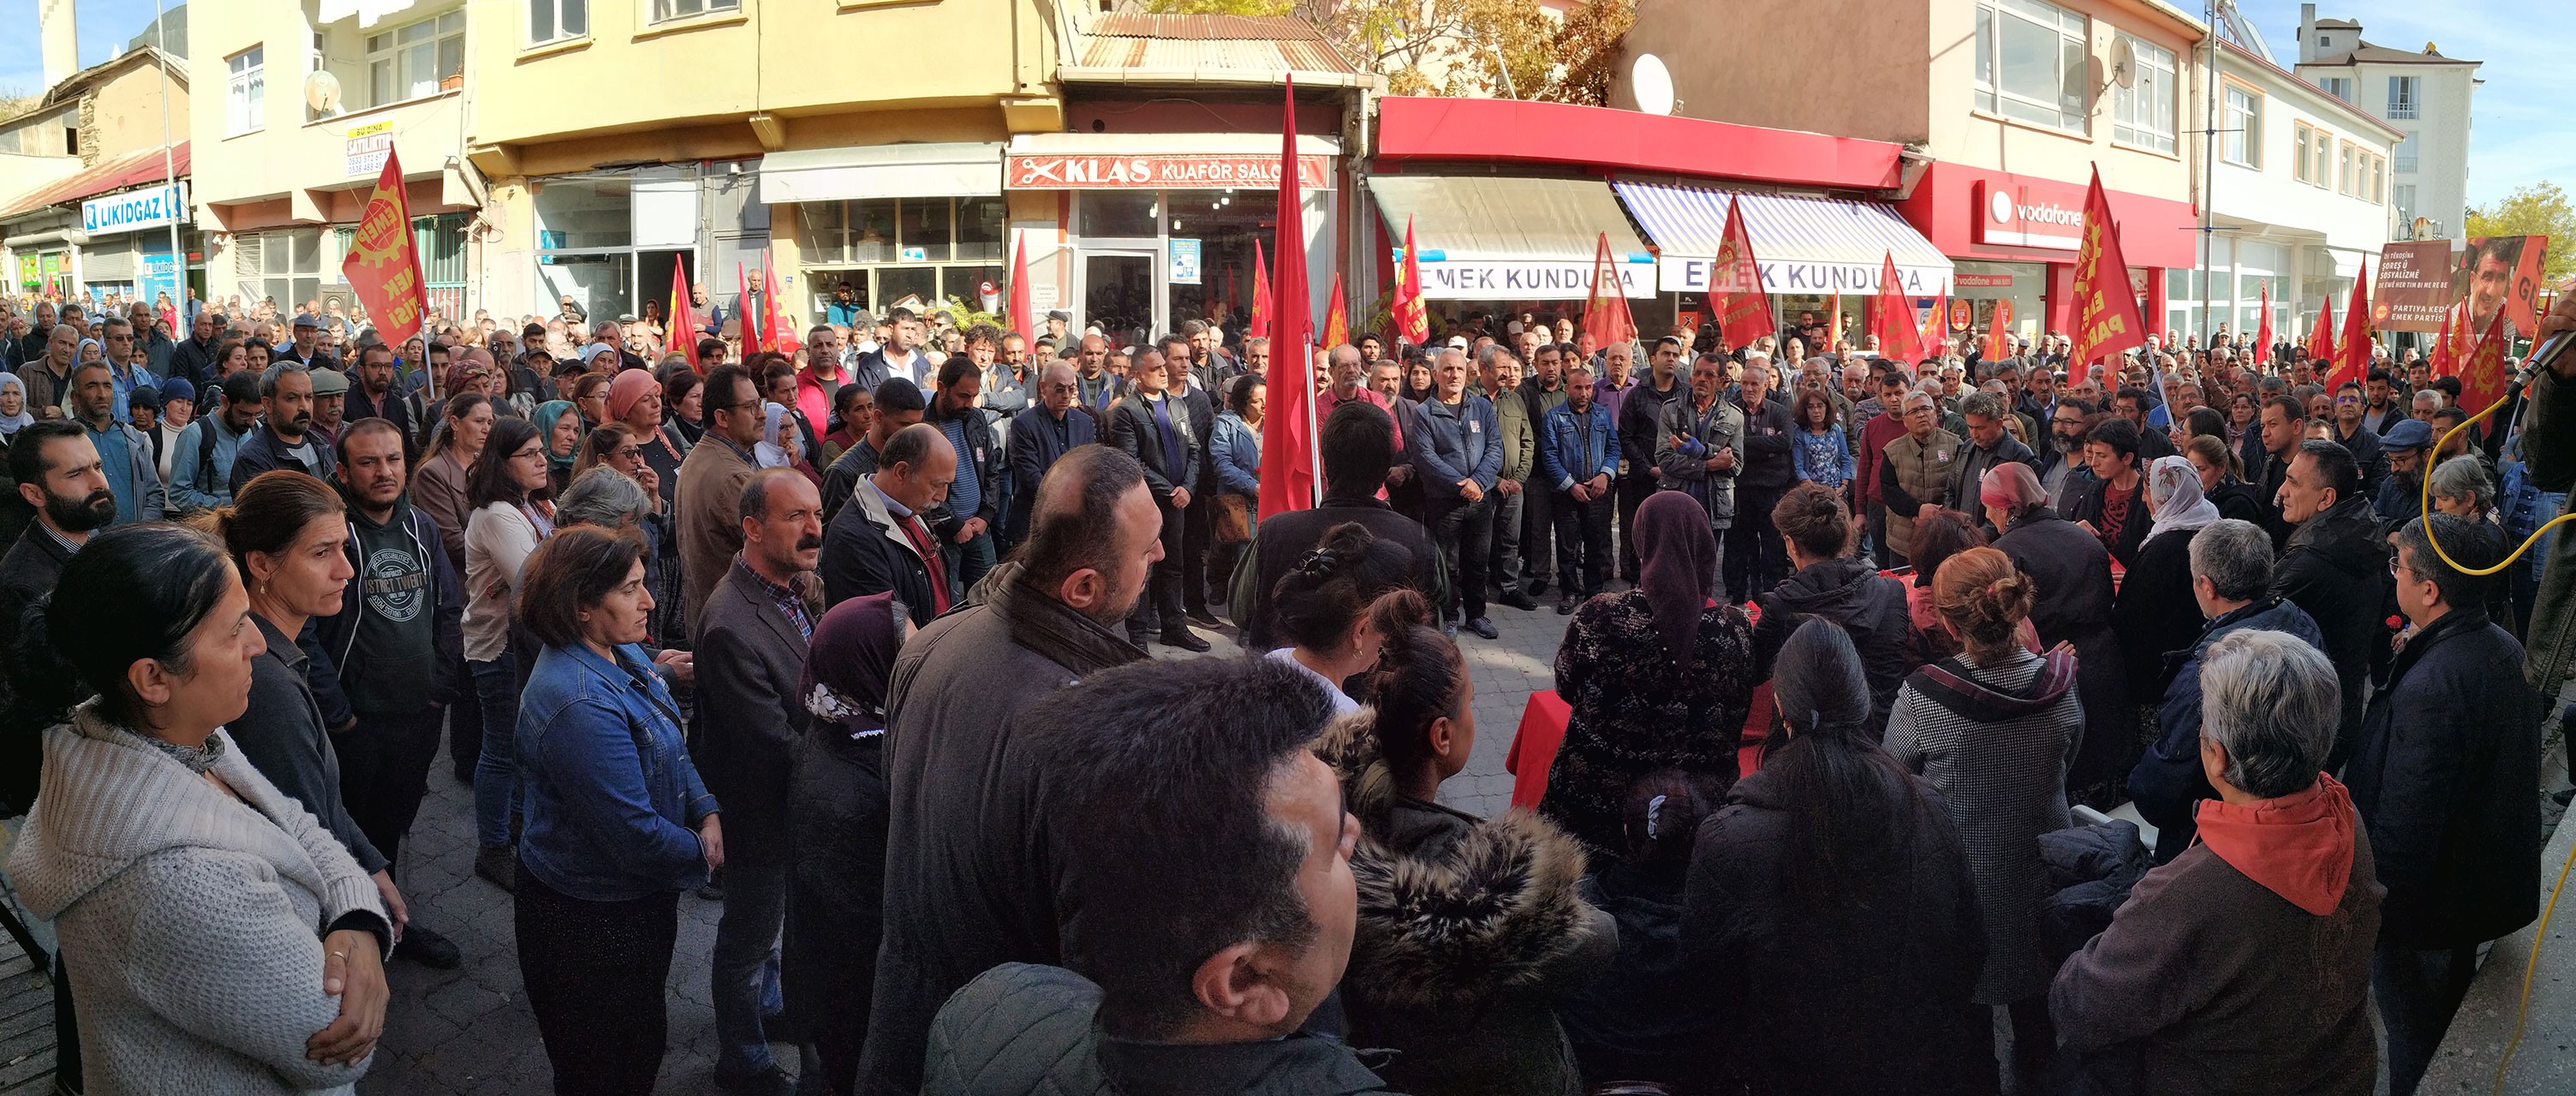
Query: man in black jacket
pixel 1640 409
pixel 389 650
pixel 899 404
pixel 2351 433
pixel 966 887
pixel 372 394
pixel 974 507
pixel 284 437
pixel 1989 444
pixel 195 358
pixel 1154 428
pixel 1190 388
pixel 750 651
pixel 2285 425
pixel 2443 776
pixel 880 541
pixel 1358 444
pixel 1752 558
pixel 2336 568
pixel 1039 436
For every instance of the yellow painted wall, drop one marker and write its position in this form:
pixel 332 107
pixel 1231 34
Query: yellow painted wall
pixel 1960 134
pixel 124 113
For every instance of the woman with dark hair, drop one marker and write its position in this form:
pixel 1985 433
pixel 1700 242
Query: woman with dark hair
pixel 618 823
pixel 1993 729
pixel 1327 607
pixel 2222 479
pixel 837 806
pixel 1648 1018
pixel 561 430
pixel 211 948
pixel 1831 907
pixel 684 402
pixel 1659 677
pixel 854 413
pixel 506 526
pixel 1235 449
pixel 1822 454
pixel 1469 929
pixel 1417 380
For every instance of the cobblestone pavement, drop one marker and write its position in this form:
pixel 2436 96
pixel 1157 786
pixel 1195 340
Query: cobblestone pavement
pixel 469 1030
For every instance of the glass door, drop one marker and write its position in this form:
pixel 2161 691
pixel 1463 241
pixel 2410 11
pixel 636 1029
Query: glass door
pixel 1118 294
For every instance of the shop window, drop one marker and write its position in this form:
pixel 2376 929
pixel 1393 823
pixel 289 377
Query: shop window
pixel 666 10
pixel 409 61
pixel 2031 62
pixel 981 231
pixel 584 213
pixel 914 230
pixel 557 20
pixel 1118 213
pixel 245 91
pixel 2143 113
pixel 284 267
pixel 2241 141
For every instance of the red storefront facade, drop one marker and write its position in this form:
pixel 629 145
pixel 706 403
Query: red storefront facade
pixel 1978 217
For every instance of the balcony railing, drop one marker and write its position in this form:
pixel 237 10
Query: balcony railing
pixel 2401 111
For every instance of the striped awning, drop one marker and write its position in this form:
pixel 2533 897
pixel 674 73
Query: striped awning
pixel 1804 245
pixel 1493 238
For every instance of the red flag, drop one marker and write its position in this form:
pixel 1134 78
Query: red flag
pixel 1998 326
pixel 2482 379
pixel 1290 470
pixel 1895 311
pixel 1022 320
pixel 2352 363
pixel 1935 339
pixel 1605 312
pixel 1260 295
pixel 1337 322
pixel 2464 339
pixel 1412 320
pixel 745 319
pixel 684 314
pixel 1735 285
pixel 2106 309
pixel 2263 331
pixel 1833 325
pixel 383 267
pixel 2321 340
pixel 2441 361
pixel 776 331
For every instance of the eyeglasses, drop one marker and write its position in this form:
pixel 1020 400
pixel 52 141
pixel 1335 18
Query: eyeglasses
pixel 531 451
pixel 629 452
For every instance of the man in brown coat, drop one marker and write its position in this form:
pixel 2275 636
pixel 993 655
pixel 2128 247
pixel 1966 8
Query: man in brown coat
pixel 709 521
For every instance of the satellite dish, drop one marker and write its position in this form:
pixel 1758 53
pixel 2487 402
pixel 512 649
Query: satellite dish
pixel 2124 63
pixel 322 92
pixel 1652 84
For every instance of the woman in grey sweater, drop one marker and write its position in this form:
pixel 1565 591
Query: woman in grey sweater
pixel 199 909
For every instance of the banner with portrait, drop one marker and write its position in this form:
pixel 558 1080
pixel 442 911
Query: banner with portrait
pixel 2501 272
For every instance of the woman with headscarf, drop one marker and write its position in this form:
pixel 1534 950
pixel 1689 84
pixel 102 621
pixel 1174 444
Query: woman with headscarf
pixel 14 414
pixel 836 803
pixel 782 445
pixel 2073 567
pixel 1658 677
pixel 560 431
pixel 635 399
pixel 2155 613
pixel 1830 906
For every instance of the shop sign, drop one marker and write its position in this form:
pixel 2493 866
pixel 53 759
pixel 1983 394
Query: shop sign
pixel 2414 291
pixel 31 272
pixel 136 210
pixel 1691 275
pixel 1159 171
pixel 2030 213
pixel 1446 279
pixel 1184 263
pixel 366 148
pixel 1985 281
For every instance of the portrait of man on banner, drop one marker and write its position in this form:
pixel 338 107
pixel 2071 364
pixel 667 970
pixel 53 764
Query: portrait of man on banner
pixel 2501 272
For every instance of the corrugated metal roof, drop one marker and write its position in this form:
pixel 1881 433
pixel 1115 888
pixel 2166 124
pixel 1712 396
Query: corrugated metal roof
pixel 1206 28
pixel 1203 43
pixel 132 170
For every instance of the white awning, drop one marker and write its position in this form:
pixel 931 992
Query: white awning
pixel 1484 238
pixel 1804 245
pixel 960 169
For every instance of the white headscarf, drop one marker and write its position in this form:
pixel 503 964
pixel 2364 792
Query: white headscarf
pixel 2173 485
pixel 26 417
pixel 770 451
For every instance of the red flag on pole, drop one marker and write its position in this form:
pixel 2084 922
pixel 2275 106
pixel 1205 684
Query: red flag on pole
pixel 1935 340
pixel 2106 309
pixel 1412 320
pixel 2464 338
pixel 1337 321
pixel 383 267
pixel 745 317
pixel 1833 325
pixel 1605 312
pixel 1261 296
pixel 1735 285
pixel 2263 331
pixel 2441 358
pixel 1997 326
pixel 684 314
pixel 1022 320
pixel 2482 379
pixel 2352 360
pixel 1289 432
pixel 1895 311
pixel 2321 340
pixel 775 330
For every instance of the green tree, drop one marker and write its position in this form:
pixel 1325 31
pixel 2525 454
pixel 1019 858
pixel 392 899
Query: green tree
pixel 1477 48
pixel 2540 209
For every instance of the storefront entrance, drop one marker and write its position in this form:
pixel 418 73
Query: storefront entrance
pixel 1118 294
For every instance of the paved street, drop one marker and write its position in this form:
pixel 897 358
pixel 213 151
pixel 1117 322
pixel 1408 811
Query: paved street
pixel 469 1030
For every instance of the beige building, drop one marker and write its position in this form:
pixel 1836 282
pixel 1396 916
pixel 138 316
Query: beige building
pixel 91 137
pixel 851 140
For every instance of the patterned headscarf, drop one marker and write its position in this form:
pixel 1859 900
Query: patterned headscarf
pixel 846 667
pixel 2174 486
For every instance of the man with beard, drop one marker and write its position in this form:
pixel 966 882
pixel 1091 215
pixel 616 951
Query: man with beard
pixel 975 500
pixel 963 891
pixel 58 471
pixel 398 627
pixel 373 395
pixel 284 438
pixel 125 455
pixel 2355 435
pixel 751 645
pixel 194 360
pixel 2061 466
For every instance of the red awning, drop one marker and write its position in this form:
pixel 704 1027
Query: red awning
pixel 131 171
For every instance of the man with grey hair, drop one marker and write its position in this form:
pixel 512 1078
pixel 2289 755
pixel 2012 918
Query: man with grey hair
pixel 284 437
pixel 1989 444
pixel 2443 772
pixel 2425 402
pixel 1460 458
pixel 2244 964
pixel 2231 580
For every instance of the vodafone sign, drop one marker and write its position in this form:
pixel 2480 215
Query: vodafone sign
pixel 2030 214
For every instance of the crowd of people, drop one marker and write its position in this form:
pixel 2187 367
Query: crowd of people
pixel 852 635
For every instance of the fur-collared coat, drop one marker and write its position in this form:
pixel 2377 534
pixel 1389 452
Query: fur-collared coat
pixel 1469 931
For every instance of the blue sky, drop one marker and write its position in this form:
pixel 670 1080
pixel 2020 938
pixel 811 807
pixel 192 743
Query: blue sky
pixel 2528 79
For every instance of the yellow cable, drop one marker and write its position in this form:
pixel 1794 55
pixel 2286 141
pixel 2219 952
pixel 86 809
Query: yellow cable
pixel 2427 502
pixel 2539 933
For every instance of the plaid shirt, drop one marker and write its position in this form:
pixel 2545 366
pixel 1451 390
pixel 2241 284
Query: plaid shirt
pixel 790 599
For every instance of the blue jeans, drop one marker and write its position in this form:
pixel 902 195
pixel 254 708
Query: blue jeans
pixel 744 973
pixel 496 771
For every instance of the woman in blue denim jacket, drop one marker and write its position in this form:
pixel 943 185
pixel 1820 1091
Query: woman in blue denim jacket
pixel 1822 455
pixel 618 823
pixel 1235 446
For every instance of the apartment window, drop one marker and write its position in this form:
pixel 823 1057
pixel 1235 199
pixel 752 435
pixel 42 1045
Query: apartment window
pixel 2378 178
pixel 2031 62
pixel 2300 135
pixel 2405 96
pixel 2143 115
pixel 556 20
pixel 409 61
pixel 2403 196
pixel 245 91
pixel 2241 141
pixel 2338 86
pixel 2405 154
pixel 2348 176
pixel 285 267
pixel 665 10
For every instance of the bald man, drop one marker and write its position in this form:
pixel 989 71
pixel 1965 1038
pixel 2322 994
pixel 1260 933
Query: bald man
pixel 1041 435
